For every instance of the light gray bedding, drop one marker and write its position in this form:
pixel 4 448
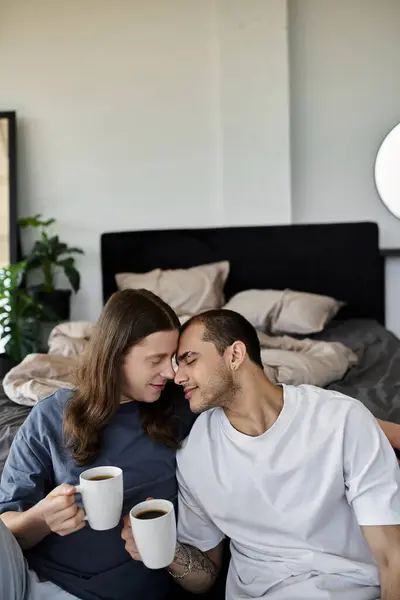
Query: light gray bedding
pixel 375 380
pixel 11 418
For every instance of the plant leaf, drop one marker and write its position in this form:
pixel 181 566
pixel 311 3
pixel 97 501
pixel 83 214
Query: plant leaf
pixel 33 262
pixel 48 252
pixel 35 221
pixel 71 273
pixel 20 313
pixel 73 250
pixel 55 247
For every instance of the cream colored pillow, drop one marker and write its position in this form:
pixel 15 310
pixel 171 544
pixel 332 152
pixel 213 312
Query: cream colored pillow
pixel 187 291
pixel 303 313
pixel 256 306
pixel 285 311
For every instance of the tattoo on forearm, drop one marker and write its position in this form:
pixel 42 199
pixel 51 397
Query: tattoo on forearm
pixel 181 557
pixel 200 561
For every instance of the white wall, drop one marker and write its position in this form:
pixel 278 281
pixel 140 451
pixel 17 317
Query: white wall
pixel 173 113
pixel 150 114
pixel 254 111
pixel 345 90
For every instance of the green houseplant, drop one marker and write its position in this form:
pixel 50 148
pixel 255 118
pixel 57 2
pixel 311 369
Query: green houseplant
pixel 20 316
pixel 49 256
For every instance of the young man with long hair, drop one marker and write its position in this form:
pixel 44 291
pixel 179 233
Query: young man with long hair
pixel 122 413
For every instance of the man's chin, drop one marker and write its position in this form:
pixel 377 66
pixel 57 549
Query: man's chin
pixel 197 409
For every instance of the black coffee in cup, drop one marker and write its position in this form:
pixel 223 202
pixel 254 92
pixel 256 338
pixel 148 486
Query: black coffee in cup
pixel 150 514
pixel 100 477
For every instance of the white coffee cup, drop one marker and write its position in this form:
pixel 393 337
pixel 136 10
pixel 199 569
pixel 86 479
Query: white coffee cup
pixel 155 538
pixel 102 498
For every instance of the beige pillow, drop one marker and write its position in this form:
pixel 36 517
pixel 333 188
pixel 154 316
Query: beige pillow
pixel 285 311
pixel 187 291
pixel 256 305
pixel 303 313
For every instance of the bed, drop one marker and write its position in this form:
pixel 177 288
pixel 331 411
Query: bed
pixel 342 260
pixel 338 260
pixel 11 418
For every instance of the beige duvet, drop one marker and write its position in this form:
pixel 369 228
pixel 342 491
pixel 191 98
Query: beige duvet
pixel 285 359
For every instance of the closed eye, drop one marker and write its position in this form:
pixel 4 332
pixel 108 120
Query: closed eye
pixel 187 357
pixel 156 360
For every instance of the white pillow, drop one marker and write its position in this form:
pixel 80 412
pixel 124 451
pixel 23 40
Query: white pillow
pixel 187 291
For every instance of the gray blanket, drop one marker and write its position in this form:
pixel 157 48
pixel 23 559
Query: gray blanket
pixel 11 418
pixel 375 380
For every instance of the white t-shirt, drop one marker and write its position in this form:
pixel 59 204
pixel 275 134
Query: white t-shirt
pixel 292 499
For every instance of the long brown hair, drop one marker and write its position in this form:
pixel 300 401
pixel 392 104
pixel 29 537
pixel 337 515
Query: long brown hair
pixel 128 317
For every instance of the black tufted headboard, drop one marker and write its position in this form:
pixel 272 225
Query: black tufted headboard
pixel 339 259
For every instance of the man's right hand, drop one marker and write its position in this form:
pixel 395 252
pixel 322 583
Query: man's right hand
pixel 195 571
pixel 60 512
pixel 127 536
pixel 129 540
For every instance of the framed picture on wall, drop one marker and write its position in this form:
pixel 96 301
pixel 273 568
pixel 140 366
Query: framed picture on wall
pixel 8 189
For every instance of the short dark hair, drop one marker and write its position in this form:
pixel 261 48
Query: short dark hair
pixel 223 327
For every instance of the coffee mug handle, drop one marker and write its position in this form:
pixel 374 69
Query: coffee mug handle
pixel 78 490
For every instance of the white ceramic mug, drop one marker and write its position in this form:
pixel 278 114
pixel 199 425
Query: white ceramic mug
pixel 155 538
pixel 102 498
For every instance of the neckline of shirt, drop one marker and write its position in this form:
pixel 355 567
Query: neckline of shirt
pixel 277 428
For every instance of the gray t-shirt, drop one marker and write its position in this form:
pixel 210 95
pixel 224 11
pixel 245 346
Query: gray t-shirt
pixel 92 565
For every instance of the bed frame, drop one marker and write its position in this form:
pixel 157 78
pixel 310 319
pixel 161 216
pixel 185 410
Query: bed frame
pixel 339 259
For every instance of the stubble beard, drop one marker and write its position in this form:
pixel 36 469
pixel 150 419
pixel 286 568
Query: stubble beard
pixel 221 390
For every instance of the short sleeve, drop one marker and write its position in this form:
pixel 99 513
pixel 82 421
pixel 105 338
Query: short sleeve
pixel 371 470
pixel 194 526
pixel 26 477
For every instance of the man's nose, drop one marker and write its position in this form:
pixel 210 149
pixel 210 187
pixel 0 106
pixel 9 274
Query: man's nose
pixel 180 376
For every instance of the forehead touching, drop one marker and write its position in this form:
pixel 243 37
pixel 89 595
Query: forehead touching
pixel 161 343
pixel 191 342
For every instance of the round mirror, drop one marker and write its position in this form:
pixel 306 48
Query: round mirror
pixel 387 171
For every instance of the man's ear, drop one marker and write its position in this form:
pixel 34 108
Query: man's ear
pixel 237 355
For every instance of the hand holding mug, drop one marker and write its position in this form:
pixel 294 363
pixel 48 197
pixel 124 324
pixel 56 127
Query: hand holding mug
pixel 150 533
pixel 127 536
pixel 60 512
